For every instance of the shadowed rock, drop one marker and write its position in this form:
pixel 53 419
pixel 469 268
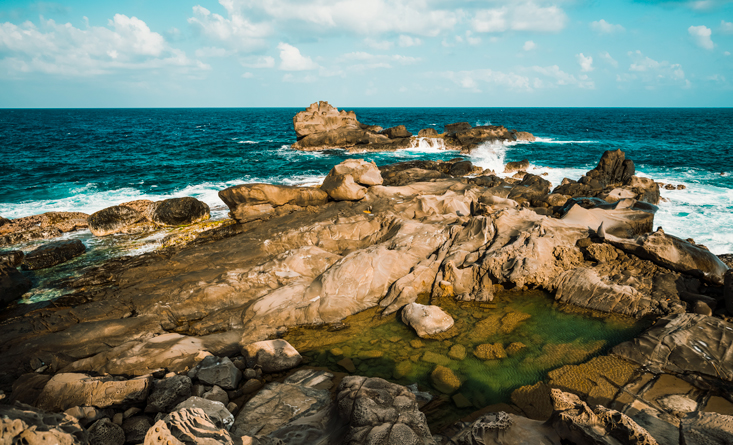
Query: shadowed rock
pixel 13 285
pixel 178 211
pixel 52 254
pixel 22 424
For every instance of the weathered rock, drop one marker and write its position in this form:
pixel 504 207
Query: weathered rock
pixel 445 380
pixel 396 132
pixel 490 351
pixel 218 371
pixel 522 165
pixel 52 254
pixel 427 133
pixel 104 432
pixel 684 343
pixel 44 226
pixel 22 424
pixel 503 428
pixel 457 352
pixel 217 395
pixel 178 211
pixel 13 258
pixel 321 117
pixel 379 412
pixel 187 427
pixel 216 411
pixel 168 392
pixel 272 355
pixel 135 428
pixel 13 284
pixel 426 320
pixel 248 202
pixel 343 188
pixel 67 390
pixel 451 129
pixel 364 173
pixel 728 291
pixel 707 429
pixel 112 220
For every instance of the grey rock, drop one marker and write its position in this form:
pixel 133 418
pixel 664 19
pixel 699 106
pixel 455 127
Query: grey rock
pixel 178 211
pixel 52 254
pixel 104 432
pixel 187 427
pixel 708 429
pixel 22 424
pixel 168 392
pixel 136 428
pixel 218 371
pixel 217 411
pixel 217 394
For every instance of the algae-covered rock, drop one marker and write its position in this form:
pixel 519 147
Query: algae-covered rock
pixel 488 351
pixel 457 352
pixel 402 369
pixel 515 348
pixel 534 400
pixel 510 321
pixel 435 358
pixel 445 380
pixel 598 380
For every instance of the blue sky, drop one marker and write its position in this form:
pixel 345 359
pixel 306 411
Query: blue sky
pixel 252 53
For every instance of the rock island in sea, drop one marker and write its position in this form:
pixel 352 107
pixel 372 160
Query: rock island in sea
pixel 420 302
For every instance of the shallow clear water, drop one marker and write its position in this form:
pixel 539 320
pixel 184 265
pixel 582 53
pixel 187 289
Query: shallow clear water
pixel 88 159
pixel 552 337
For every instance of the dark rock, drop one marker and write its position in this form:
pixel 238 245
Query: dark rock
pixel 178 211
pixel 21 424
pixel 427 133
pixel 168 393
pixel 13 285
pixel 187 427
pixel 112 220
pixel 613 168
pixel 13 258
pixel 459 127
pixel 218 371
pixel 104 432
pixel 29 235
pixel 396 132
pixel 216 411
pixel 52 254
pixel 531 189
pixel 4 221
pixel 135 428
pixel 707 429
pixel 522 165
pixel 461 168
pixel 727 258
pixel 728 291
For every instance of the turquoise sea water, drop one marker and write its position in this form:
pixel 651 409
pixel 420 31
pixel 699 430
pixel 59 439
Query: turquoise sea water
pixel 88 159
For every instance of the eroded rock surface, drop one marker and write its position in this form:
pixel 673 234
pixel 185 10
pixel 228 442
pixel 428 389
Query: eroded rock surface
pixel 52 254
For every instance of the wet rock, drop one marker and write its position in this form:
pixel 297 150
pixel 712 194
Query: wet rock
pixel 187 427
pixel 379 412
pixel 684 343
pixel 728 291
pixel 272 355
pixel 458 127
pixel 488 351
pixel 13 285
pixel 457 352
pixel 178 211
pixel 435 358
pixel 402 369
pixel 426 320
pixel 218 371
pixel 522 165
pixel 247 202
pixel 13 258
pixel 347 364
pixel 168 392
pixel 104 432
pixel 427 133
pixel 462 168
pixel 66 390
pixel 515 348
pixel 22 424
pixel 52 254
pixel 445 380
pixel 135 428
pixel 343 188
pixel 113 220
pixel 216 411
pixel 707 428
pixel 396 132
pixel 44 226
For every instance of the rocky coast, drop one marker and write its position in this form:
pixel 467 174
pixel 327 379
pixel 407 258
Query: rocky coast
pixel 384 306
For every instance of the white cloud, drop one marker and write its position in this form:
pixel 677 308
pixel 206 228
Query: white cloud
pixel 653 72
pixel 405 41
pixel 361 60
pixel 701 36
pixel 561 78
pixel 383 45
pixel 292 60
pixel 471 39
pixel 258 62
pixel 213 52
pixel 610 60
pixel 727 53
pixel 291 78
pixel 603 27
pixel 126 43
pixel 236 31
pixel 524 16
pixel 586 63
pixel 726 27
pixel 529 45
pixel 247 75
pixel 472 79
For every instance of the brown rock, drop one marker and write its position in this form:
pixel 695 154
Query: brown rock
pixel 24 425
pixel 445 380
pixel 51 254
pixel 177 211
pixel 343 188
pixel 489 351
pixel 67 390
pixel 112 220
pixel 427 133
pixel 522 165
pixel 396 132
pixel 272 355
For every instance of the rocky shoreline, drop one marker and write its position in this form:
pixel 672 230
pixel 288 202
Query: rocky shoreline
pixel 185 344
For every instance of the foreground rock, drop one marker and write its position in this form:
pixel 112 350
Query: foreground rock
pixel 188 426
pixel 249 202
pixel 44 226
pixel 52 254
pixel 13 285
pixel 426 320
pixel 67 390
pixel 22 424
pixel 113 220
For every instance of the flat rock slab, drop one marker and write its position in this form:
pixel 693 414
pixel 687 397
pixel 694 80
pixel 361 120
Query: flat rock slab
pixel 67 390
pixel 51 254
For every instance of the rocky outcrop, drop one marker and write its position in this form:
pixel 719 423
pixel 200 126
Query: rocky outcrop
pixel 66 390
pixel 403 173
pixel 249 202
pixel 113 220
pixel 396 132
pixel 22 424
pixel 426 320
pixel 177 211
pixel 522 165
pixel 52 254
pixel 44 226
pixel 187 427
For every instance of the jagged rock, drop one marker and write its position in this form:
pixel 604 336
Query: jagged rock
pixel 216 411
pixel 104 432
pixel 426 320
pixel 272 355
pixel 684 343
pixel 622 219
pixel 458 127
pixel 321 117
pixel 396 132
pixel 218 371
pixel 112 220
pixel 177 211
pixel 249 202
pixel 13 258
pixel 524 136
pixel 44 226
pixel 135 428
pixel 21 424
pixel 522 165
pixel 66 390
pixel 168 392
pixel 13 284
pixel 445 380
pixel 427 133
pixel 187 427
pixel 343 188
pixel 503 428
pixel 379 412
pixel 488 351
pixel 707 429
pixel 52 254
pixel 217 395
pixel 364 173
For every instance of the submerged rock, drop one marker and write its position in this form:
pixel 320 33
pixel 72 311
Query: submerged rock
pixel 445 380
pixel 52 254
pixel 426 320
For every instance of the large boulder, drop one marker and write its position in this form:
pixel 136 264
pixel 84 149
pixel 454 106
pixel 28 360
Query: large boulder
pixel 320 117
pixel 112 220
pixel 343 188
pixel 364 173
pixel 52 254
pixel 21 424
pixel 396 132
pixel 379 412
pixel 249 202
pixel 613 168
pixel 216 411
pixel 218 371
pixel 13 285
pixel 272 355
pixel 66 390
pixel 426 320
pixel 178 211
pixel 168 392
pixel 189 426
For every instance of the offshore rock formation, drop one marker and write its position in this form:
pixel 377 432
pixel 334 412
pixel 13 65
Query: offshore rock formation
pixel 322 126
pixel 44 226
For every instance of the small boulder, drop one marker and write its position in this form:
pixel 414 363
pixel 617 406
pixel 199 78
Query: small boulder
pixel 187 426
pixel 489 351
pixel 461 168
pixel 522 165
pixel 178 211
pixel 217 395
pixel 364 173
pixel 13 285
pixel 343 188
pixel 135 428
pixel 24 425
pixel 397 132
pixel 427 133
pixel 445 380
pixel 426 320
pixel 272 355
pixel 112 220
pixel 169 392
pixel 51 254
pixel 217 411
pixel 104 432
pixel 13 258
pixel 218 371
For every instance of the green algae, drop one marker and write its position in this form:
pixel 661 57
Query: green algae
pixel 541 335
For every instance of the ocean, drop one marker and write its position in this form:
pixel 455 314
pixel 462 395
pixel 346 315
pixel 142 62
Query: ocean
pixel 88 159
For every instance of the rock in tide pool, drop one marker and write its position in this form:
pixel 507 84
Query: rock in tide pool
pixel 51 254
pixel 178 211
pixel 445 380
pixel 426 320
pixel 272 355
pixel 112 220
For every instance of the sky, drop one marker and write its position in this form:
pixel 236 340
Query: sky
pixel 366 53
